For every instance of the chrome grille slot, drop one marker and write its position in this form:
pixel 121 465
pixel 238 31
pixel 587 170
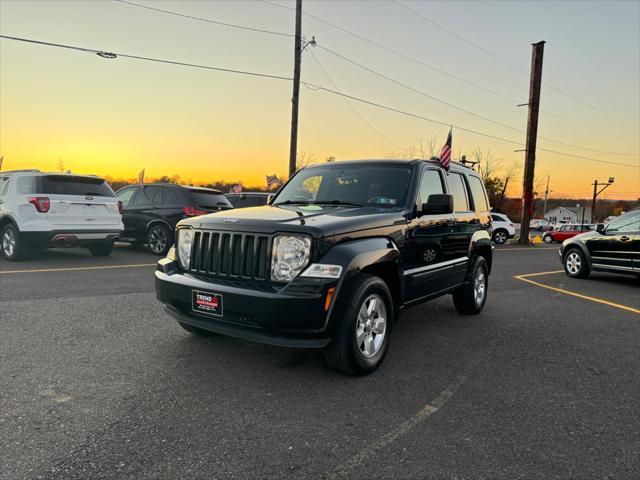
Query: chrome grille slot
pixel 231 255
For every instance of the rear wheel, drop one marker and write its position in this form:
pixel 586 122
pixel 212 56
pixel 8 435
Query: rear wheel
pixel 12 247
pixel 470 298
pixel 500 236
pixel 159 239
pixel 547 238
pixel 195 330
pixel 101 249
pixel 362 340
pixel 575 264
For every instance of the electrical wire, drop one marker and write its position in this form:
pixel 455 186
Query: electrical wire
pixel 208 20
pixel 506 62
pixel 369 124
pixel 111 55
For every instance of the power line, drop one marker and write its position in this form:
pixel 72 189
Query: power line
pixel 506 62
pixel 455 107
pixel 208 20
pixel 369 124
pixel 111 55
pixel 443 72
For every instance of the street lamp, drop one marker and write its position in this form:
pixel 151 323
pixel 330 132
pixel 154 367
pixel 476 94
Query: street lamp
pixel 597 192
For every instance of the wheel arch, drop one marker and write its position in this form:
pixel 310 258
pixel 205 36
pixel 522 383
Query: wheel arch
pixel 481 246
pixel 8 219
pixel 160 221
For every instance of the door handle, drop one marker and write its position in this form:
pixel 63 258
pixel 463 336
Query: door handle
pixel 624 238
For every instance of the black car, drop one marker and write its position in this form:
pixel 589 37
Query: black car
pixel 611 248
pixel 248 199
pixel 151 212
pixel 332 261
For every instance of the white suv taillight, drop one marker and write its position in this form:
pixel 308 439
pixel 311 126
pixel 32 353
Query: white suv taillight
pixel 42 204
pixel 120 207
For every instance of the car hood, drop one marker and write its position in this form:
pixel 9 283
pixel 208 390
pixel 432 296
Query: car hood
pixel 318 221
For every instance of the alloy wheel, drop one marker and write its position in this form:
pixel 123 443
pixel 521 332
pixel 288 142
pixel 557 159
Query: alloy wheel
pixel 9 242
pixel 573 262
pixel 500 237
pixel 157 240
pixel 371 326
pixel 479 286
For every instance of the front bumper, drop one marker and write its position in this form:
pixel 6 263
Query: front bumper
pixel 293 316
pixel 66 238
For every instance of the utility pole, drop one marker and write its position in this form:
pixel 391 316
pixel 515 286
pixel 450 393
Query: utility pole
pixel 546 194
pixel 293 149
pixel 597 192
pixel 532 135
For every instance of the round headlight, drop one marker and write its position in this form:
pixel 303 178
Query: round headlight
pixel 290 256
pixel 185 239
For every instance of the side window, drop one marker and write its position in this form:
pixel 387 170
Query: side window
pixel 126 195
pixel 4 186
pixel 430 184
pixel 171 196
pixel 458 189
pixel 477 191
pixel 496 218
pixel 147 196
pixel 26 185
pixel 625 223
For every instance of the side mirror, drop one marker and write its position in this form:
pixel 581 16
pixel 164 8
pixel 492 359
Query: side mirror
pixel 600 228
pixel 438 204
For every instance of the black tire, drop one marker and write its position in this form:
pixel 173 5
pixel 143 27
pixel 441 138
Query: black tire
pixel 159 239
pixel 196 331
pixel 345 353
pixel 101 249
pixel 575 263
pixel 547 238
pixel 500 236
pixel 11 246
pixel 467 299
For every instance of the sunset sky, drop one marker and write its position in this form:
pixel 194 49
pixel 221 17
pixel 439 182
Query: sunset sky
pixel 117 116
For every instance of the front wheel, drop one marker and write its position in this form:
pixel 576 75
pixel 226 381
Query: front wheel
pixel 575 264
pixel 362 340
pixel 101 249
pixel 12 247
pixel 470 299
pixel 159 239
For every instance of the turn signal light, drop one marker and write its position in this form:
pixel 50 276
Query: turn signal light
pixel 328 298
pixel 192 211
pixel 120 207
pixel 42 204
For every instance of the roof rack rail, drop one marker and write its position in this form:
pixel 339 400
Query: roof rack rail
pixel 2 172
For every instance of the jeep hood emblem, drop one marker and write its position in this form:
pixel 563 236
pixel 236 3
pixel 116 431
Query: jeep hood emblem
pixel 231 220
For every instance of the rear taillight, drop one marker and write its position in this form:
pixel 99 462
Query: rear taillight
pixel 120 207
pixel 42 204
pixel 192 211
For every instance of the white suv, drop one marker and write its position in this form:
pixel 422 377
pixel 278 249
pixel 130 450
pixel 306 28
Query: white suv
pixel 40 209
pixel 503 228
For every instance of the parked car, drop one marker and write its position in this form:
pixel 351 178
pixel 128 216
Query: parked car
pixel 540 224
pixel 566 231
pixel 614 247
pixel 41 210
pixel 503 228
pixel 247 199
pixel 334 259
pixel 151 212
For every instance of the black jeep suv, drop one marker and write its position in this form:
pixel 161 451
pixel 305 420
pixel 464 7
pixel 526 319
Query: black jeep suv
pixel 331 262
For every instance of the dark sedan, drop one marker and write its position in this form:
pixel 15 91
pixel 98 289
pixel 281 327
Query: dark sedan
pixel 612 248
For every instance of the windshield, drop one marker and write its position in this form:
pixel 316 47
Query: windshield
pixel 383 186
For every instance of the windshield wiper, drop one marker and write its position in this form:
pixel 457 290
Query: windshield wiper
pixel 292 202
pixel 337 202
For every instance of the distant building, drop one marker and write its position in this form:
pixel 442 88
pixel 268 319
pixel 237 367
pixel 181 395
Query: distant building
pixel 568 214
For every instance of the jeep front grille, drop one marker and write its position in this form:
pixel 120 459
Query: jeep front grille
pixel 231 255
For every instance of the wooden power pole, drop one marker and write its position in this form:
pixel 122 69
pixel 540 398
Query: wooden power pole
pixel 532 134
pixel 293 149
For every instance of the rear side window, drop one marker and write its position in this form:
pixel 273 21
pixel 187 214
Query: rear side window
pixel 147 196
pixel 496 218
pixel 126 195
pixel 458 189
pixel 4 186
pixel 172 196
pixel 206 198
pixel 430 184
pixel 479 197
pixel 26 185
pixel 70 185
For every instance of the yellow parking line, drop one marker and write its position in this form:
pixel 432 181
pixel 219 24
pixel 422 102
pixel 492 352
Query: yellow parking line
pixel 574 294
pixel 507 249
pixel 73 269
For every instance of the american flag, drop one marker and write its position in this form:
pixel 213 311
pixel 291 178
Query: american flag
pixel 273 180
pixel 141 177
pixel 236 188
pixel 445 153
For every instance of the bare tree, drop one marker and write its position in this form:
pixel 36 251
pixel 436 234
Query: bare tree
pixel 60 164
pixel 488 164
pixel 305 159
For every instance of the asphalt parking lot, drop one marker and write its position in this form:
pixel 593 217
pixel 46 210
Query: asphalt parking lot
pixel 98 382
